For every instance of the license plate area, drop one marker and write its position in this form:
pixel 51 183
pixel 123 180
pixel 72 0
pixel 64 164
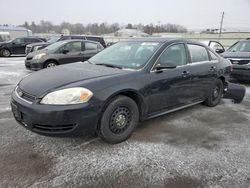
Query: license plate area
pixel 16 112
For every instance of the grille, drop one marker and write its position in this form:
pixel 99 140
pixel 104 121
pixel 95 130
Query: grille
pixel 28 49
pixel 240 61
pixel 53 129
pixel 26 96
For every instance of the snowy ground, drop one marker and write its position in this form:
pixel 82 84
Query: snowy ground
pixel 195 147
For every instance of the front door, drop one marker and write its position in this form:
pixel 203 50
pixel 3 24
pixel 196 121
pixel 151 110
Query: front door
pixel 170 87
pixel 71 52
pixel 18 46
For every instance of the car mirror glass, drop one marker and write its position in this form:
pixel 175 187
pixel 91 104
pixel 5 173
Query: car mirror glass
pixel 219 51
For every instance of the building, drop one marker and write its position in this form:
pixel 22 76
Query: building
pixel 16 31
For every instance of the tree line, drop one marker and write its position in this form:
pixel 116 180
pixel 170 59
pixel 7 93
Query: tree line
pixel 100 28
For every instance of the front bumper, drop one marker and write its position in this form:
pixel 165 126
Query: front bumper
pixel 34 64
pixel 241 72
pixel 53 120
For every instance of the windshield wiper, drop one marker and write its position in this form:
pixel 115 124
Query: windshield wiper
pixel 109 65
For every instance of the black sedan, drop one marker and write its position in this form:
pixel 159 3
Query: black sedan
pixel 128 82
pixel 62 52
pixel 239 55
pixel 17 46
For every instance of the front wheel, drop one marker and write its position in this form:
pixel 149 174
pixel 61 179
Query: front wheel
pixel 119 120
pixel 50 64
pixel 215 94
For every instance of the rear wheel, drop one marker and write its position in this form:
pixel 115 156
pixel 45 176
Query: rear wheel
pixel 5 53
pixel 50 64
pixel 119 120
pixel 215 94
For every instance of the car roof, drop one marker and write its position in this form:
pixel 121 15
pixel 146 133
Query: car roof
pixel 79 40
pixel 163 40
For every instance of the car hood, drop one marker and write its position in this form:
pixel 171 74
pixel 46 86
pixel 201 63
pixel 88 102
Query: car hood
pixel 32 54
pixel 44 81
pixel 236 54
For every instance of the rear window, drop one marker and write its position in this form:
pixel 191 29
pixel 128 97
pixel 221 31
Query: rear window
pixel 97 39
pixel 198 53
pixel 91 46
pixel 33 40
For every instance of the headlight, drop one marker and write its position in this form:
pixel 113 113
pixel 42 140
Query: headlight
pixel 39 56
pixel 37 48
pixel 74 95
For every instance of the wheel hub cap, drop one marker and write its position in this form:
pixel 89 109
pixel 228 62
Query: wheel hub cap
pixel 120 120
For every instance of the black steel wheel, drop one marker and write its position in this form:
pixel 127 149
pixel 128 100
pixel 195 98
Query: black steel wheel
pixel 119 119
pixel 215 94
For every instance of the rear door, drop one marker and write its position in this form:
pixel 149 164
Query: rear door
pixel 71 52
pixel 202 69
pixel 90 49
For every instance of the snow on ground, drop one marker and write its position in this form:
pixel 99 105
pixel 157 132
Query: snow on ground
pixel 194 147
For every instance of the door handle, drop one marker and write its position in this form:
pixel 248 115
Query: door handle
pixel 185 73
pixel 213 68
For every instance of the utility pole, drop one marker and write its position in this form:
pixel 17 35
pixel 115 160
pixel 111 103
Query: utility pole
pixel 221 23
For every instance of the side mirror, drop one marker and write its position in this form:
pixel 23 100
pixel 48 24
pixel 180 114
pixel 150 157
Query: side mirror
pixel 65 51
pixel 159 67
pixel 219 51
pixel 13 43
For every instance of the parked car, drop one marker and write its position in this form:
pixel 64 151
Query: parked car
pixel 239 55
pixel 17 46
pixel 62 52
pixel 39 46
pixel 215 45
pixel 128 82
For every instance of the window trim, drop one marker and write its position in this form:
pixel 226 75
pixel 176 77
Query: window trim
pixel 166 48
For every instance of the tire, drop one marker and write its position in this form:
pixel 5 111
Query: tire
pixel 5 53
pixel 119 120
pixel 215 94
pixel 50 64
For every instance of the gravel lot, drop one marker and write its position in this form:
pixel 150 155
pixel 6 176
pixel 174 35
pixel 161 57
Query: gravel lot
pixel 195 147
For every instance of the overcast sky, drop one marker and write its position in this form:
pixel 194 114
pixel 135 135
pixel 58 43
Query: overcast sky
pixel 194 14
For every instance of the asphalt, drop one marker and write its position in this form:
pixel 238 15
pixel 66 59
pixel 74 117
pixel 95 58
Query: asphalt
pixel 194 147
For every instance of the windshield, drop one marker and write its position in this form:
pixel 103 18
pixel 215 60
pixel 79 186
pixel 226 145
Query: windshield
pixel 132 55
pixel 53 39
pixel 55 45
pixel 241 46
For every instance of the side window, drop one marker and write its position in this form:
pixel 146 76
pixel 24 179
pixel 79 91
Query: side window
pixel 213 56
pixel 175 55
pixel 72 47
pixel 198 53
pixel 90 46
pixel 78 37
pixel 65 38
pixel 18 41
pixel 31 40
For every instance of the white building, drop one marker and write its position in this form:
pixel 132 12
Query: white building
pixel 16 31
